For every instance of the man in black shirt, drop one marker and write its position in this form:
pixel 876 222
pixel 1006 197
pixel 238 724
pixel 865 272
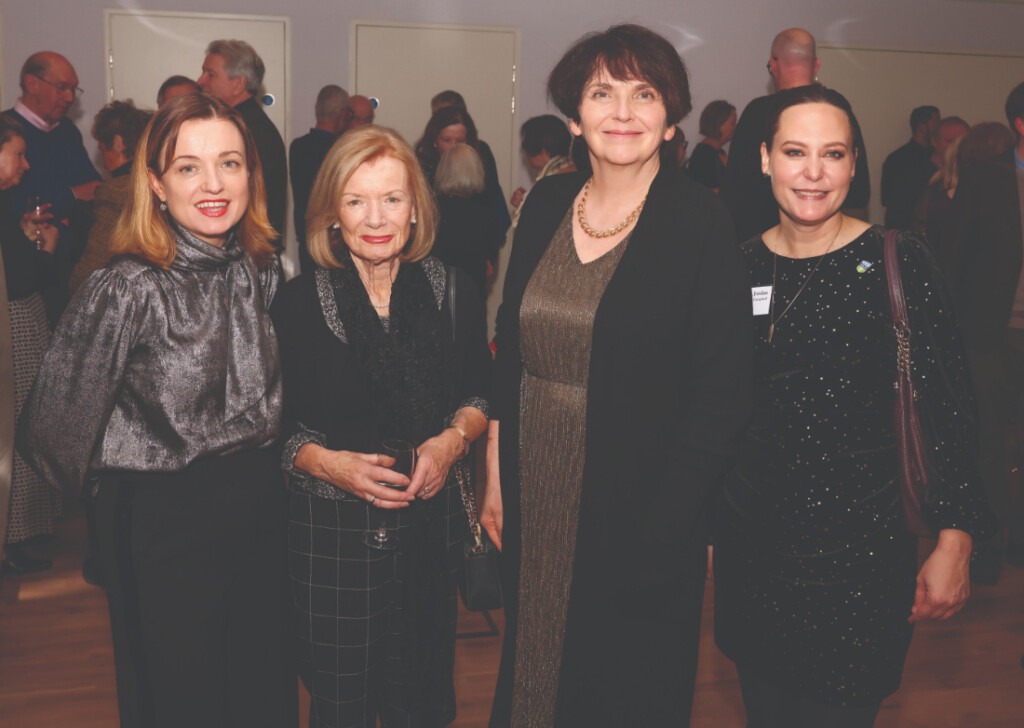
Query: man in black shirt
pixel 907 170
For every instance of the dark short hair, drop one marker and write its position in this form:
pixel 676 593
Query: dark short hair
pixel 9 128
pixel 545 132
pixel 120 118
pixel 812 94
pixel 426 147
pixel 626 52
pixel 922 115
pixel 448 98
pixel 715 114
pixel 177 80
pixel 1015 106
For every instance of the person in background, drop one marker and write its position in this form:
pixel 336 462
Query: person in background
pixel 175 405
pixel 368 355
pixel 545 142
pixel 949 129
pixel 468 236
pixel 817 584
pixel 28 242
pixel 62 174
pixel 117 129
pixel 233 72
pixel 906 171
pixel 983 258
pixel 175 86
pixel 454 99
pixel 621 385
pixel 361 112
pixel 673 152
pixel 709 159
pixel 307 152
pixel 793 61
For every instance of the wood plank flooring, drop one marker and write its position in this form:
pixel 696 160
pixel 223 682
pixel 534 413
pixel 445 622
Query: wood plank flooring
pixel 56 662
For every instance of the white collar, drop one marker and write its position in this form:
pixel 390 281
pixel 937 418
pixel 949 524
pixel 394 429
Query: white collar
pixel 33 118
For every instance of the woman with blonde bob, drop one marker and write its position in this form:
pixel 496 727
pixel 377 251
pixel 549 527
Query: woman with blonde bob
pixel 369 355
pixel 162 382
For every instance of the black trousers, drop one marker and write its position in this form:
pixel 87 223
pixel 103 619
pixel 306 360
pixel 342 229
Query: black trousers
pixel 195 568
pixel 771 706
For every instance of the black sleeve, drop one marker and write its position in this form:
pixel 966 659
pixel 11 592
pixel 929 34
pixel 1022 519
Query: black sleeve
pixel 473 387
pixel 945 401
pixel 27 268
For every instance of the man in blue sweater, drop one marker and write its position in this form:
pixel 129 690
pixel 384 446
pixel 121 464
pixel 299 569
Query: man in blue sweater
pixel 61 170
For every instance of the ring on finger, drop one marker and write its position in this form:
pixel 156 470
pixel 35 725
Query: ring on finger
pixel 373 499
pixel 426 491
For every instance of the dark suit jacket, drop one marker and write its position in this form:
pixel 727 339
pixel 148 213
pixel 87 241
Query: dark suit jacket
pixel 305 156
pixel 982 254
pixel 668 394
pixel 270 147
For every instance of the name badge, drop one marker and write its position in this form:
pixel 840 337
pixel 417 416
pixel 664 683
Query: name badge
pixel 762 297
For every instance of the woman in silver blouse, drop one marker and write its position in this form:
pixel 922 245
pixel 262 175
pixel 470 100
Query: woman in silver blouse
pixel 163 382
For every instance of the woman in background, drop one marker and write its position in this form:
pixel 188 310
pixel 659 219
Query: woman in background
pixel 709 159
pixel 28 248
pixel 468 236
pixel 545 141
pixel 117 129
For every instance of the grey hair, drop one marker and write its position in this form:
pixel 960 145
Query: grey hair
pixel 460 172
pixel 240 59
pixel 331 102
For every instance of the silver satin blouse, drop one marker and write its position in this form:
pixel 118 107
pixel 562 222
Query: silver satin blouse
pixel 150 369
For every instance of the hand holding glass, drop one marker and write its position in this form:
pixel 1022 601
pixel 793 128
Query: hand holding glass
pixel 403 457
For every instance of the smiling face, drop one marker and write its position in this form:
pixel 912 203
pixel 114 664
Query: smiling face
pixel 811 162
pixel 206 184
pixel 450 136
pixel 623 122
pixel 12 162
pixel 376 211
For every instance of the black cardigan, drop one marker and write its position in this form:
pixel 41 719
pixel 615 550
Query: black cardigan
pixel 668 394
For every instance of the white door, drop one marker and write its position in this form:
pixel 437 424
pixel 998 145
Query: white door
pixel 405 64
pixel 145 47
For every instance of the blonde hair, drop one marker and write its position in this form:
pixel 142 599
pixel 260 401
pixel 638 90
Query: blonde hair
pixel 355 148
pixel 144 228
pixel 460 172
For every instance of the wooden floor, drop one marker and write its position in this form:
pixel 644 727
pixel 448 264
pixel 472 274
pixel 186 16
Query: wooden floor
pixel 56 663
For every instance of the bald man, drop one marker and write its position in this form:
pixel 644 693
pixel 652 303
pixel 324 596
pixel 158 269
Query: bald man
pixel 61 171
pixel 793 62
pixel 361 112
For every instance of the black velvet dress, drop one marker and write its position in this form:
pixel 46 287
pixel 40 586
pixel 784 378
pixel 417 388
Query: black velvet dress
pixel 814 569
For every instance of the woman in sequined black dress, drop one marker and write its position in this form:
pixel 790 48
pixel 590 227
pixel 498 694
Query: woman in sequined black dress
pixel 817 582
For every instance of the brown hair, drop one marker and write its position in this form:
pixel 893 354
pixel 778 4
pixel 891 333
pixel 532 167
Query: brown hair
pixel 626 52
pixel 355 148
pixel 120 118
pixel 144 229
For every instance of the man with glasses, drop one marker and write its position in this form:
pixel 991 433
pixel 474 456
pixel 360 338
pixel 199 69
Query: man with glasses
pixel 61 171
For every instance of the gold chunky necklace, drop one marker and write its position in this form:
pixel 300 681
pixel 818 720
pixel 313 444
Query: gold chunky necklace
pixel 581 215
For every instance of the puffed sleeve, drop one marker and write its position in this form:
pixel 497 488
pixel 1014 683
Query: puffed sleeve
pixel 945 401
pixel 74 393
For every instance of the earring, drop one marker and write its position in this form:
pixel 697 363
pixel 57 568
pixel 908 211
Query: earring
pixel 765 175
pixel 413 221
pixel 163 206
pixel 336 226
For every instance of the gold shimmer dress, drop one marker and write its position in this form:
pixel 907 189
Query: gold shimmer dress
pixel 556 325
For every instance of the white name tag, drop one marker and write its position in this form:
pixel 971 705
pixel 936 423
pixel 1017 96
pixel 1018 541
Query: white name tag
pixel 762 296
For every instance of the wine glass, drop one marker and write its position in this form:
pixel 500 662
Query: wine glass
pixel 404 456
pixel 37 207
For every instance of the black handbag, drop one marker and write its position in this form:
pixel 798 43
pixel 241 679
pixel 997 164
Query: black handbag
pixel 479 579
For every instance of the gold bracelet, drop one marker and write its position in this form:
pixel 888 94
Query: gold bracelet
pixel 465 440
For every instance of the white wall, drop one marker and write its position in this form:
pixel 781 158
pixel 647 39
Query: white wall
pixel 724 42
